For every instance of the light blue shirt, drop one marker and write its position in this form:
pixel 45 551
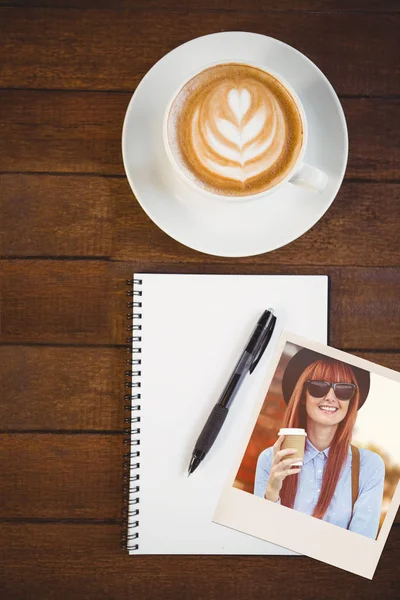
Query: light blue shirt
pixel 367 508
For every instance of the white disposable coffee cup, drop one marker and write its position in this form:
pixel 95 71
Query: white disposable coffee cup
pixel 301 174
pixel 295 437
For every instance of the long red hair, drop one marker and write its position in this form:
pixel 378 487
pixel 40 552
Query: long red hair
pixel 295 416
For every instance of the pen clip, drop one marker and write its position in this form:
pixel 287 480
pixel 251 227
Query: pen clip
pixel 263 345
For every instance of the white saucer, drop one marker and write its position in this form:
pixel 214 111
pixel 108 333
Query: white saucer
pixel 219 227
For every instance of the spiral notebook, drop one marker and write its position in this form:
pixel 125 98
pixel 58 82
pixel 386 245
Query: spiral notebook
pixel 187 334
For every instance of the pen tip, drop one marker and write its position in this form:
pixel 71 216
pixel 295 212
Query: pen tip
pixel 194 463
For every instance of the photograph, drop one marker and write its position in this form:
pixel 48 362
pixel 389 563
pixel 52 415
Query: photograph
pixel 317 470
pixel 324 443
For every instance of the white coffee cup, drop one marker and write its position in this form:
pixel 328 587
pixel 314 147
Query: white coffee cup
pixel 302 173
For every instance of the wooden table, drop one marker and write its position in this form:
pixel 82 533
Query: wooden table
pixel 72 233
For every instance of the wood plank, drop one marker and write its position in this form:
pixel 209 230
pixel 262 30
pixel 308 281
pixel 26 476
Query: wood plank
pixel 334 239
pixel 53 476
pixel 106 50
pixel 64 388
pixel 68 133
pixel 391 360
pixel 57 216
pixel 48 215
pixel 84 302
pixel 81 133
pixel 58 302
pixel 223 5
pixel 82 561
pixel 73 389
pixel 357 297
pixel 363 156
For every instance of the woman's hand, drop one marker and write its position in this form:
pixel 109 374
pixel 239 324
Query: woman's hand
pixel 280 469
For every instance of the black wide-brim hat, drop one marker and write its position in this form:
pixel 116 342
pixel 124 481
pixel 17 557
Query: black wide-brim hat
pixel 305 357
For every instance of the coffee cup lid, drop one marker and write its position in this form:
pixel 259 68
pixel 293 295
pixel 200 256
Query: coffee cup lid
pixel 292 431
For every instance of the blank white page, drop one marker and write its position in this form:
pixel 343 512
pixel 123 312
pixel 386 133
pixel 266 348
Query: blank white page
pixel 194 328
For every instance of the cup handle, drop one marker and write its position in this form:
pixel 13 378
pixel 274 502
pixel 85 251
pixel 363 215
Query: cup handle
pixel 310 177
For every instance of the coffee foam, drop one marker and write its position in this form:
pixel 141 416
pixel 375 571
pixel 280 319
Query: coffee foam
pixel 235 130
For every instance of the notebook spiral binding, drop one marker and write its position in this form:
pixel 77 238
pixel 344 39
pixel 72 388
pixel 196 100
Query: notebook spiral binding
pixel 132 400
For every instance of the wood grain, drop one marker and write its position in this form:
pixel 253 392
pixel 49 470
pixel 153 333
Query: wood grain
pixel 221 5
pixel 75 389
pixel 59 561
pixel 112 50
pixel 359 229
pixel 97 216
pixel 54 476
pixel 74 302
pixel 58 302
pixel 53 215
pixel 70 68
pixel 391 360
pixel 67 133
pixel 359 296
pixel 367 142
pixel 66 388
pixel 81 133
pixel 57 216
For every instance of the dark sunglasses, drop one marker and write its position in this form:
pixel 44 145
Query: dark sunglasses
pixel 319 389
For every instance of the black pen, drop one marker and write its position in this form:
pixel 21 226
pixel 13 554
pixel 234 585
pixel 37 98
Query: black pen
pixel 248 361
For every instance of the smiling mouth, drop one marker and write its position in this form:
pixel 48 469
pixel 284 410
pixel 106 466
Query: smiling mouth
pixel 328 409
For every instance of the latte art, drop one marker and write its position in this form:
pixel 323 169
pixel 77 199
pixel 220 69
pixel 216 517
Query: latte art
pixel 234 130
pixel 238 133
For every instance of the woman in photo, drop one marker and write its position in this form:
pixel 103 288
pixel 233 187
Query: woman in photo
pixel 323 396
